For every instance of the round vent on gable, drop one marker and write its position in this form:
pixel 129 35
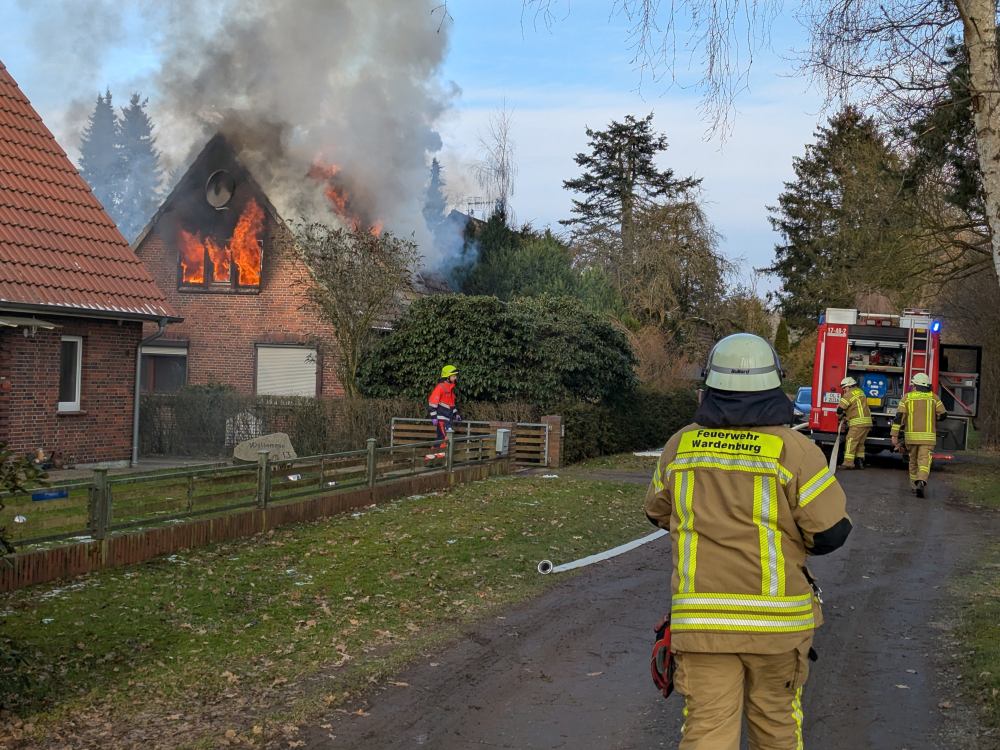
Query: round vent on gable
pixel 219 189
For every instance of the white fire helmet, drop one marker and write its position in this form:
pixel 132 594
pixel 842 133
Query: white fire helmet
pixel 922 380
pixel 743 362
pixel 848 382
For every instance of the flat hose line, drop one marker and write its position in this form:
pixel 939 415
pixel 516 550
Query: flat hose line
pixel 545 566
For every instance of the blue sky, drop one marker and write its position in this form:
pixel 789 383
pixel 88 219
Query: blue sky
pixel 557 80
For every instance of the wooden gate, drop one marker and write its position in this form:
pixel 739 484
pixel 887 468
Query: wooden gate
pixel 529 440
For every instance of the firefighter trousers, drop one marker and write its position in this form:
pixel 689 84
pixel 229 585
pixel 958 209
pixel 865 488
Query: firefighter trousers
pixel 920 461
pixel 855 446
pixel 720 689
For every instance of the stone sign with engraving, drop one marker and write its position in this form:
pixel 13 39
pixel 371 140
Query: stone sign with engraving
pixel 277 442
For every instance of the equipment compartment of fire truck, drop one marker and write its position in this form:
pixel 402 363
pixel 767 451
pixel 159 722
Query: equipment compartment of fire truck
pixel 883 353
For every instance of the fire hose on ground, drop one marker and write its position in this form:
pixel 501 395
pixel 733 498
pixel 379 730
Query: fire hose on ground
pixel 545 566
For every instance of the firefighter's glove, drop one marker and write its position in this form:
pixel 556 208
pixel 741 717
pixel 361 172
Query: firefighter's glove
pixel 661 663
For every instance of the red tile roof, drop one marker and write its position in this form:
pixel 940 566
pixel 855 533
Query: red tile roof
pixel 58 247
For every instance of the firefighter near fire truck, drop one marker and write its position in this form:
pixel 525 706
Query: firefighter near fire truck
pixel 877 356
pixel 916 421
pixel 442 407
pixel 746 499
pixel 854 412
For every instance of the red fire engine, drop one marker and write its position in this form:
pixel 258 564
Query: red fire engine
pixel 883 353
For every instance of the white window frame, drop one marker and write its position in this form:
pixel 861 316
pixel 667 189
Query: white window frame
pixel 78 340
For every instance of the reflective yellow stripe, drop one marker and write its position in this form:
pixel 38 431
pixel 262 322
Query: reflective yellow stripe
pixel 866 421
pixel 911 436
pixel 715 602
pixel 687 538
pixel 812 489
pixel 797 715
pixel 658 485
pixel 742 612
pixel 749 464
pixel 744 623
pixel 765 515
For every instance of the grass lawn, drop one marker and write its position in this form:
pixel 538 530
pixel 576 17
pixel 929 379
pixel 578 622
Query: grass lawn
pixel 239 641
pixel 978 479
pixel 979 484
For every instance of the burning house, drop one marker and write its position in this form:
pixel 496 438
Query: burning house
pixel 225 259
pixel 73 300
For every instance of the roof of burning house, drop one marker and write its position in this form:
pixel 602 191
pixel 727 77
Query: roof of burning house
pixel 431 282
pixel 220 153
pixel 217 154
pixel 59 250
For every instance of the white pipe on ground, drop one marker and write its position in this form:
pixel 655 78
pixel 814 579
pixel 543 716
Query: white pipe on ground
pixel 545 566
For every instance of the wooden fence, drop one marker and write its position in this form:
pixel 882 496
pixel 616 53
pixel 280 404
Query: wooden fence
pixel 173 510
pixel 532 443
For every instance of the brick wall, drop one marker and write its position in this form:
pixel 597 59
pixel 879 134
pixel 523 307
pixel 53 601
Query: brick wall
pixel 29 390
pixel 223 329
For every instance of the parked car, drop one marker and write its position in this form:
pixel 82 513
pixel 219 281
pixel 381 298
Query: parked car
pixel 802 403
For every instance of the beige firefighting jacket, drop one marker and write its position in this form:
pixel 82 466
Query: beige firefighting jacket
pixel 917 415
pixel 744 507
pixel 854 404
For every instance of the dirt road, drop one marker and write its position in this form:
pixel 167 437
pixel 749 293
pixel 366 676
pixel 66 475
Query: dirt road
pixel 570 669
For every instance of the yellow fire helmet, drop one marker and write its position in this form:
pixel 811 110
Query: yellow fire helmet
pixel 448 370
pixel 848 382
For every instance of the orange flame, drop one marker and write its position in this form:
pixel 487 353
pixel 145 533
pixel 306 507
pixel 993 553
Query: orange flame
pixel 221 261
pixel 340 199
pixel 243 249
pixel 245 246
pixel 192 258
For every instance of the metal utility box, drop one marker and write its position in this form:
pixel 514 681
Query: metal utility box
pixel 503 442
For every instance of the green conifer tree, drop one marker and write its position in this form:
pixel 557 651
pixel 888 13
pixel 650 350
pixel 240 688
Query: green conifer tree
pixel 100 159
pixel 140 164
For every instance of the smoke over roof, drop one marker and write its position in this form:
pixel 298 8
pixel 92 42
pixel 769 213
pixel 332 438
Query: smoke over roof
pixel 293 83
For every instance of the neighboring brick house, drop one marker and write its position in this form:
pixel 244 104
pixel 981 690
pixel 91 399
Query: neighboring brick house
pixel 73 299
pixel 224 258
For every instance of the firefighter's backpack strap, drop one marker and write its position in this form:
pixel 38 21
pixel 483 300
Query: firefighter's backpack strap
pixel 661 663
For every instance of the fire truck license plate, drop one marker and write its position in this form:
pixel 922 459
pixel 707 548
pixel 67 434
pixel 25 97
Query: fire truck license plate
pixel 831 398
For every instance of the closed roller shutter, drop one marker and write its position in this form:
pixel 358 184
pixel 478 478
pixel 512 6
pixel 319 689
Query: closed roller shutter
pixel 286 371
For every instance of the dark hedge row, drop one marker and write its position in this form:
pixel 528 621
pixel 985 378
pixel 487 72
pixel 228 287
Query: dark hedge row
pixel 538 350
pixel 643 420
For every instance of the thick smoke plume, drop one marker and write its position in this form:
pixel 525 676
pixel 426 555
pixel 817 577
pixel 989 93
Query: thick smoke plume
pixel 293 83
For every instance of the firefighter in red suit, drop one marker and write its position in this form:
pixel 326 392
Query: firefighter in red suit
pixel 443 408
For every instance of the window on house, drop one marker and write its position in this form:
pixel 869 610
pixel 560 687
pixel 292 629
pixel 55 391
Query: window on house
pixel 286 370
pixel 208 263
pixel 70 372
pixel 163 369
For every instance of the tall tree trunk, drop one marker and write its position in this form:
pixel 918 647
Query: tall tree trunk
pixel 979 22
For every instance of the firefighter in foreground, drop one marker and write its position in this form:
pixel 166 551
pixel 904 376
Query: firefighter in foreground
pixel 746 499
pixel 853 409
pixel 916 418
pixel 442 405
